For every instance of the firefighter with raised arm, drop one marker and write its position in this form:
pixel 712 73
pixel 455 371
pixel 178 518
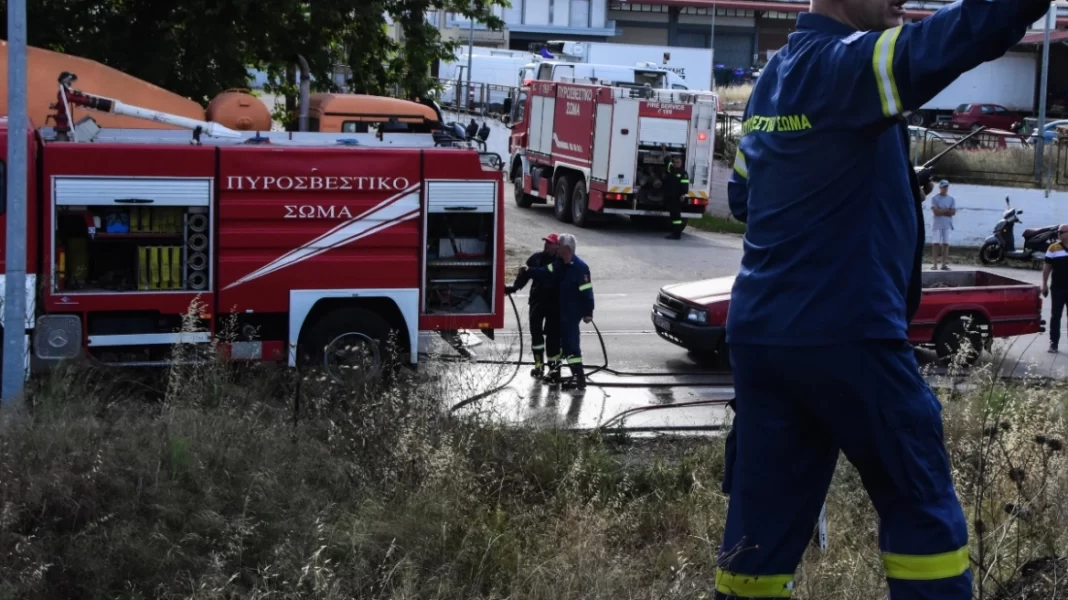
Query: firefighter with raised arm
pixel 544 310
pixel 676 186
pixel 829 280
pixel 572 276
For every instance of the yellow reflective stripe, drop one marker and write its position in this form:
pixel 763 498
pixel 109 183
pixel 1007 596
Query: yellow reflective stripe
pixel 914 567
pixel 754 586
pixel 557 357
pixel 550 267
pixel 536 348
pixel 576 360
pixel 882 61
pixel 676 222
pixel 585 286
pixel 684 181
pixel 739 164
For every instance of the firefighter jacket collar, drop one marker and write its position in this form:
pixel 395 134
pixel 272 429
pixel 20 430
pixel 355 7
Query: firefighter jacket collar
pixel 822 24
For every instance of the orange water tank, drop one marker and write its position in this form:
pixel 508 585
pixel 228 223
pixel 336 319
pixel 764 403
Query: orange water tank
pixel 240 110
pixel 42 74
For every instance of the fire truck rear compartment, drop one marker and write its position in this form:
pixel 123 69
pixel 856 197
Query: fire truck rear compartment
pixel 649 177
pixel 460 247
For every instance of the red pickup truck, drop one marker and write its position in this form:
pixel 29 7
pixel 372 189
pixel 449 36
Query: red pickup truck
pixel 955 306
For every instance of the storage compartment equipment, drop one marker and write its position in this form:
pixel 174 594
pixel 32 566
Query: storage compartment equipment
pixel 460 226
pixel 652 168
pixel 129 235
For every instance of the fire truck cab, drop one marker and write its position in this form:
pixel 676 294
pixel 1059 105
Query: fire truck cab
pixel 594 149
pixel 310 245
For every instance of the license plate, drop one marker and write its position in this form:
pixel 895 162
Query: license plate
pixel 662 323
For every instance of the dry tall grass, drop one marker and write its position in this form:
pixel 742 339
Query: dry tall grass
pixel 1009 166
pixel 734 97
pixel 211 490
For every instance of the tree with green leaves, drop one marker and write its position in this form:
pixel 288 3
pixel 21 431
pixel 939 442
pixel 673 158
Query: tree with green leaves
pixel 198 48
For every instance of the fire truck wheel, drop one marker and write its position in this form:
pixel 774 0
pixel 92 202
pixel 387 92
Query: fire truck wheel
pixel 562 199
pixel 580 204
pixel 522 200
pixel 350 346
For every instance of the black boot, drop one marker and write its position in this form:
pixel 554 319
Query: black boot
pixel 553 376
pixel 539 361
pixel 578 378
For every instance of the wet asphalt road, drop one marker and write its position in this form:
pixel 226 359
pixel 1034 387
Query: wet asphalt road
pixel 629 264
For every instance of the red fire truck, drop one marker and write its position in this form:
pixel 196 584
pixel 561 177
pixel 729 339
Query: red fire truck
pixel 316 245
pixel 595 149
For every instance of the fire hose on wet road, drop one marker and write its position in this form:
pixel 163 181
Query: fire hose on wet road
pixel 718 382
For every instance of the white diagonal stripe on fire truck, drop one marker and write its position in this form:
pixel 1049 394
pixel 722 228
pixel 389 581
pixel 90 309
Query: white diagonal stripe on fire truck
pixel 387 214
pixel 381 205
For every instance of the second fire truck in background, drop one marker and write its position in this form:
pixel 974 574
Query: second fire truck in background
pixel 600 150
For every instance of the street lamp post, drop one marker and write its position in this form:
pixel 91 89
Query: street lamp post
pixel 1039 162
pixel 14 372
pixel 470 52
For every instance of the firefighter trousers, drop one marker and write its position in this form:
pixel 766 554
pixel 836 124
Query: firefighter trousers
pixel 545 333
pixel 674 206
pixel 796 408
pixel 571 346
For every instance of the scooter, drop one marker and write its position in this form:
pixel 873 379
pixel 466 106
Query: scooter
pixel 1002 245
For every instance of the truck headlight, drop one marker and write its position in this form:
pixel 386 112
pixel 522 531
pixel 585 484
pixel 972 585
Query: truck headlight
pixel 698 315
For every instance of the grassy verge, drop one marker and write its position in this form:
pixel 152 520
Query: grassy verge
pixel 718 224
pixel 734 97
pixel 205 488
pixel 1013 166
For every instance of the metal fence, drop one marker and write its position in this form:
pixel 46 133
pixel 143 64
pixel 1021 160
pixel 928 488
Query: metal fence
pixel 728 132
pixel 483 99
pixel 1000 160
pixel 993 160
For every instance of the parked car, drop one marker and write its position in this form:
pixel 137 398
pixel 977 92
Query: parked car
pixel 972 116
pixel 1050 131
pixel 958 310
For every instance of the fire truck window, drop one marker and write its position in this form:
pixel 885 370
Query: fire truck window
pixel 520 108
pixel 353 127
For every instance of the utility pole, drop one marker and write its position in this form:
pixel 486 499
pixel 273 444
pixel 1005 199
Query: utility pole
pixel 712 47
pixel 470 52
pixel 1039 162
pixel 14 364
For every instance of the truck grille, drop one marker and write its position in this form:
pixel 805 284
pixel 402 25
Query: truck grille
pixel 680 308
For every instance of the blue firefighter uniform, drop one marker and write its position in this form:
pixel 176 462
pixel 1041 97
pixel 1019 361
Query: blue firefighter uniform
pixel 544 313
pixel 829 280
pixel 576 303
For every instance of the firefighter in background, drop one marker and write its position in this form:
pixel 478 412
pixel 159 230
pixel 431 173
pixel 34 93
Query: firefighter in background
pixel 818 324
pixel 676 186
pixel 572 276
pixel 543 311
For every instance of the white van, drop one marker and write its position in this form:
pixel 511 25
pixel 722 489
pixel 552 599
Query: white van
pixel 496 73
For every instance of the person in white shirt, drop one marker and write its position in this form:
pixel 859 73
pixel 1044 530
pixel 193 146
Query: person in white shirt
pixel 944 207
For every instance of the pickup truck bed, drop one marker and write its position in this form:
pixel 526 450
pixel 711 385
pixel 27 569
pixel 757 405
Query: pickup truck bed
pixel 956 306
